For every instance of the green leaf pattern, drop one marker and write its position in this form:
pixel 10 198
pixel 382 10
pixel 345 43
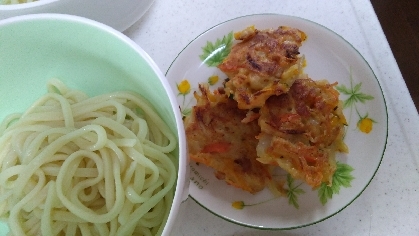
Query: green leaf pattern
pixel 354 95
pixel 341 178
pixel 214 53
pixel 293 192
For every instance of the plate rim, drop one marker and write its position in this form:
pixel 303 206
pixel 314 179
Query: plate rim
pixel 229 219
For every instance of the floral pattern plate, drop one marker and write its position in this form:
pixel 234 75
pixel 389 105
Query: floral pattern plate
pixel 329 57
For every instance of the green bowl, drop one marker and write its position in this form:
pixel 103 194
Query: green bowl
pixel 88 56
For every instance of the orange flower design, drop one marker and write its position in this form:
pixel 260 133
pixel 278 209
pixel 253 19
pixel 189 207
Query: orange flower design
pixel 365 124
pixel 238 205
pixel 184 87
pixel 213 79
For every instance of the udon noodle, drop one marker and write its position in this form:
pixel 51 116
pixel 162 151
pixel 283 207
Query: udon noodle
pixel 78 165
pixel 6 2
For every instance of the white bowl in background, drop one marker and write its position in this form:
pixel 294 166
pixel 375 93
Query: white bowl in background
pixel 119 14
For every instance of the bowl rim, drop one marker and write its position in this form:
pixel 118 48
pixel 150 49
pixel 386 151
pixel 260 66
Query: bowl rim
pixel 22 6
pixel 181 185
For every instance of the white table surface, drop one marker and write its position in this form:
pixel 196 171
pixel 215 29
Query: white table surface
pixel 390 204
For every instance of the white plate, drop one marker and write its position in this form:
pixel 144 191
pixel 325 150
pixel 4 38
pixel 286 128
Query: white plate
pixel 329 57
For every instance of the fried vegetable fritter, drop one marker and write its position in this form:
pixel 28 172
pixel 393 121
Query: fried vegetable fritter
pixel 218 138
pixel 264 63
pixel 269 116
pixel 302 130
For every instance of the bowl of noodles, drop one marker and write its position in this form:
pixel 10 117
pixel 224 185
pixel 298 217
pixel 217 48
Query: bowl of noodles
pixel 119 16
pixel 91 138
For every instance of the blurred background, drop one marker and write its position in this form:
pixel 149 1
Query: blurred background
pixel 400 22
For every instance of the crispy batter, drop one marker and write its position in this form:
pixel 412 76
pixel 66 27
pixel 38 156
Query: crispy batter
pixel 217 138
pixel 279 117
pixel 264 63
pixel 302 130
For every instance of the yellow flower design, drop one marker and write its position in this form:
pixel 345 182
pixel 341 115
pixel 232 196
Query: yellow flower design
pixel 365 124
pixel 213 79
pixel 238 205
pixel 184 87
